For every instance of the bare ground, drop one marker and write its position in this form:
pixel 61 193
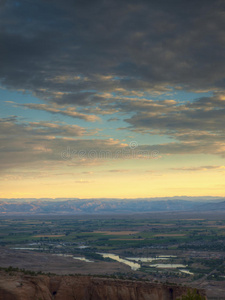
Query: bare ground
pixel 34 261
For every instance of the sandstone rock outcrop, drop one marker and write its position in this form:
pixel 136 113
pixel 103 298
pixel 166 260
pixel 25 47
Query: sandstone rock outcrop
pixel 23 287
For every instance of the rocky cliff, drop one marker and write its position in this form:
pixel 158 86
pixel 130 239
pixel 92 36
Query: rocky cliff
pixel 23 287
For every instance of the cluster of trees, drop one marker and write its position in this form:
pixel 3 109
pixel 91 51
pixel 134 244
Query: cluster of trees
pixel 192 295
pixel 12 270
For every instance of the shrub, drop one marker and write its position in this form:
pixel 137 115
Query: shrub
pixel 192 295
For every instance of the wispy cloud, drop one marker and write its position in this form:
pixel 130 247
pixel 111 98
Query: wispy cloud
pixel 70 112
pixel 119 171
pixel 25 144
pixel 201 168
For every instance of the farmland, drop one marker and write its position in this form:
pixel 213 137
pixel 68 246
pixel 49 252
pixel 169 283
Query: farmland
pixel 161 247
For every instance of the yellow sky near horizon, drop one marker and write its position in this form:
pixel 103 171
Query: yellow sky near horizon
pixel 118 184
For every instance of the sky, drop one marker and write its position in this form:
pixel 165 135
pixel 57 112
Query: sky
pixel 112 99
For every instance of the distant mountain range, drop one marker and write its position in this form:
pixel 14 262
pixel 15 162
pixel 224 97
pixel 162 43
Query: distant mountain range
pixel 107 206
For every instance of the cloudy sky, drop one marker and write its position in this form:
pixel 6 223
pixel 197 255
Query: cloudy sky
pixel 112 98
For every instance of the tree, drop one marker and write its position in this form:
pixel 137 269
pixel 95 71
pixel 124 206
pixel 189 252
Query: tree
pixel 192 295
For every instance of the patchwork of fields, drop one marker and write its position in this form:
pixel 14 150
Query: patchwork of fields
pixel 159 247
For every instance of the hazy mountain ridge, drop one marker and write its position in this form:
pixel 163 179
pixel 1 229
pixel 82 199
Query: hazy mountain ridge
pixel 213 206
pixel 95 206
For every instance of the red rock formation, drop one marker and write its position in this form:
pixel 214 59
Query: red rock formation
pixel 21 287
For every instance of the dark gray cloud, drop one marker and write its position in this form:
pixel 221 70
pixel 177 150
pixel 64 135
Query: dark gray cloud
pixel 97 56
pixel 113 119
pixel 142 44
pixel 201 121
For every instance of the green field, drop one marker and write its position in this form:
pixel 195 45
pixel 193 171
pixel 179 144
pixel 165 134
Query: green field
pixel 198 244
